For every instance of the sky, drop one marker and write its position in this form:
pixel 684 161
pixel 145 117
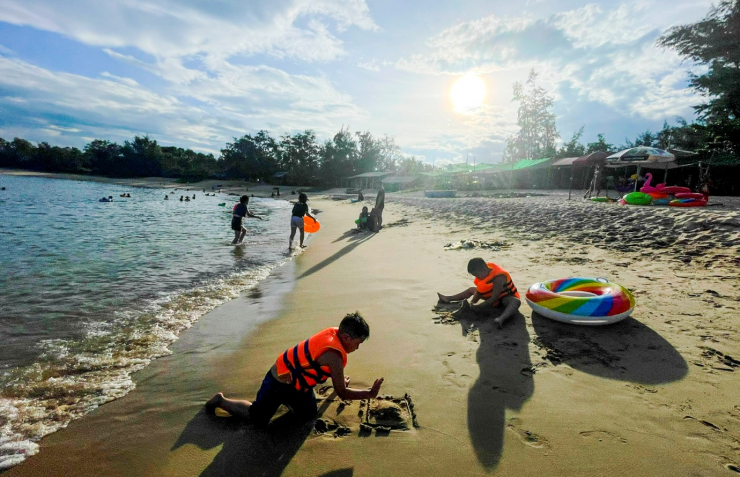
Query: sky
pixel 200 73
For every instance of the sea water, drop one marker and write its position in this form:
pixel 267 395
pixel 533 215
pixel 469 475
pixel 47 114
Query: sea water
pixel 92 291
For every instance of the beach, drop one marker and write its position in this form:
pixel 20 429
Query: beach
pixel 656 394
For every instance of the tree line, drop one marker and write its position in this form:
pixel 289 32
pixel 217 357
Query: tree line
pixel 714 43
pixel 257 157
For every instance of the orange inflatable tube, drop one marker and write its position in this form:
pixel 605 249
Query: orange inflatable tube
pixel 310 225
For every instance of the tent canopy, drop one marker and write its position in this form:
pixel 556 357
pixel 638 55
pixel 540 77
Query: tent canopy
pixel 371 174
pixel 400 179
pixel 527 163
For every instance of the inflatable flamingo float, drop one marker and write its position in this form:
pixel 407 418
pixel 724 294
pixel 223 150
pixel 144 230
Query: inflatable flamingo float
pixel 647 188
pixel 660 191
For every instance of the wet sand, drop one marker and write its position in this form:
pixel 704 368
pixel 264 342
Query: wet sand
pixel 656 394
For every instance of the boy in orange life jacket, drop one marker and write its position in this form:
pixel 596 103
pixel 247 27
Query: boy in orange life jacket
pixel 493 285
pixel 292 378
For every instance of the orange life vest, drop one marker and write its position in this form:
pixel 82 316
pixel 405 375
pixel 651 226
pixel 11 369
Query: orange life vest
pixel 300 361
pixel 485 286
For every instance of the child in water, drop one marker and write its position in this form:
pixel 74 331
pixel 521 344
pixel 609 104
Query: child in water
pixel 290 381
pixel 296 221
pixel 240 211
pixel 493 285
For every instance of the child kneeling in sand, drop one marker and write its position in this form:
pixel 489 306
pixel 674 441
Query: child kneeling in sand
pixel 493 285
pixel 292 378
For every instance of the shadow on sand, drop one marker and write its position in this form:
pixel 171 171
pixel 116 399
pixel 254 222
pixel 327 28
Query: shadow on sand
pixel 627 351
pixel 247 451
pixel 504 382
pixel 354 242
pixel 349 472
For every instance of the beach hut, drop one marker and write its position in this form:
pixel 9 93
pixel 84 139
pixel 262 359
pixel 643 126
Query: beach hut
pixel 396 183
pixel 644 158
pixel 367 180
pixel 592 159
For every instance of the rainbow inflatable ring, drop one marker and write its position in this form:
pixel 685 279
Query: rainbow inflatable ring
pixel 581 301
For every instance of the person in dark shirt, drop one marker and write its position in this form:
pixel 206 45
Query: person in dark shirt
pixel 296 221
pixel 241 210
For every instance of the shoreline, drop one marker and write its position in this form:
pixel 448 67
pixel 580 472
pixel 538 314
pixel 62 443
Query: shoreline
pixel 653 395
pixel 230 187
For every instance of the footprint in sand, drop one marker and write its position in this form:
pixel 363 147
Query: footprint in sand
pixel 527 437
pixel 603 436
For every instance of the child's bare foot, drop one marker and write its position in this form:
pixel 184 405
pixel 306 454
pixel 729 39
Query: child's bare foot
pixel 213 403
pixel 304 246
pixel 442 298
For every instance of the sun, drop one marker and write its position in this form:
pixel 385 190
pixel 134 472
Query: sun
pixel 468 93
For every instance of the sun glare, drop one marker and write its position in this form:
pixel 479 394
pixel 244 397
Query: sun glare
pixel 468 93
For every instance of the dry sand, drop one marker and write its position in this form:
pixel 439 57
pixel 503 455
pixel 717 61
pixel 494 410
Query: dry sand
pixel 656 394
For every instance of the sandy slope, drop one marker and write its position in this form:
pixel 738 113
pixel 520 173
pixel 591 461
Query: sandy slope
pixel 654 395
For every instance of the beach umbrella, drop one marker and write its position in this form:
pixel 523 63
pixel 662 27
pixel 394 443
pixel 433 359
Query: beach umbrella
pixel 642 153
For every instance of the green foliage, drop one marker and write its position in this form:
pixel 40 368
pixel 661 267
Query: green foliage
pixel 599 145
pixel 715 43
pixel 253 157
pixel 537 133
pixel 573 148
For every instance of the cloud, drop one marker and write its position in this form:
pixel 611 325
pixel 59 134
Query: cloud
pixel 181 28
pixel 203 114
pixel 607 56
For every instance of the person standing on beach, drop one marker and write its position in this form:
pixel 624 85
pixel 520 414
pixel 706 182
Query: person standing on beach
pixel 296 220
pixel 241 210
pixel 379 206
pixel 493 285
pixel 290 381
pixel 595 184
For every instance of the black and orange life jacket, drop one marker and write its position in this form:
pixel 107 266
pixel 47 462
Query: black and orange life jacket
pixel 300 361
pixel 485 286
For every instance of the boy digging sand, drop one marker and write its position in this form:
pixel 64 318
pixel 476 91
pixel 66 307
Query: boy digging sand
pixel 492 284
pixel 292 378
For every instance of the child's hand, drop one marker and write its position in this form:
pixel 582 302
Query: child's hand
pixel 376 388
pixel 346 381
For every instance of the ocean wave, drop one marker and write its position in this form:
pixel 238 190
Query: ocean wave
pixel 73 377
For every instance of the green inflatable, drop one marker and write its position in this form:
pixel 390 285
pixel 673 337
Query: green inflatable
pixel 638 198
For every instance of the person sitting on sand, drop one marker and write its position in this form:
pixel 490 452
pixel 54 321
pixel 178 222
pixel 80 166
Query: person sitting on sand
pixel 493 285
pixel 296 220
pixel 290 381
pixel 240 211
pixel 362 221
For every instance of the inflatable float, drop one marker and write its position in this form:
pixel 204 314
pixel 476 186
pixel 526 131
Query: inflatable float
pixel 581 301
pixel 638 198
pixel 688 203
pixel 310 225
pixel 675 190
pixel 689 195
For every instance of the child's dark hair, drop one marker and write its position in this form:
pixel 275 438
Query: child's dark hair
pixel 355 326
pixel 244 199
pixel 476 264
pixel 302 197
